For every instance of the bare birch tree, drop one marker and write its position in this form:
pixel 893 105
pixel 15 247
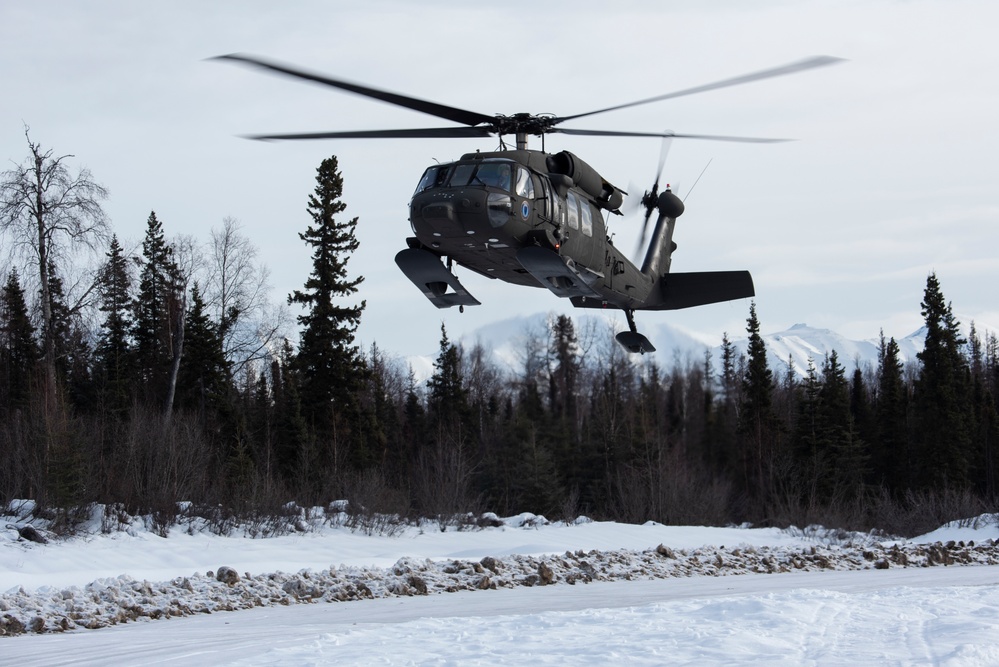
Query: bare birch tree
pixel 49 214
pixel 236 288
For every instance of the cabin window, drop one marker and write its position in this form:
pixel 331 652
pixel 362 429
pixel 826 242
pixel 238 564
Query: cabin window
pixel 434 177
pixel 525 186
pixel 570 201
pixel 550 209
pixel 586 219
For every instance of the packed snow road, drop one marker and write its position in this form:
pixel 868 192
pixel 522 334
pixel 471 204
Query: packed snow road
pixel 938 615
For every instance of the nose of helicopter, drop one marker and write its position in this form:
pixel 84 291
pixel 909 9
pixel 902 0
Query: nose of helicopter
pixel 464 214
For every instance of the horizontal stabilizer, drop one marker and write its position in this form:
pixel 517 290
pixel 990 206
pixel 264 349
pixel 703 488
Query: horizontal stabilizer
pixel 686 290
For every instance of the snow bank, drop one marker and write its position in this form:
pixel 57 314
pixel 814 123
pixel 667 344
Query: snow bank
pixel 122 599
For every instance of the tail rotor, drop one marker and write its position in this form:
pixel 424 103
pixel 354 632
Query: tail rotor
pixel 650 200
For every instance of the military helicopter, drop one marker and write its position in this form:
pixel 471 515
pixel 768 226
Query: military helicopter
pixel 536 219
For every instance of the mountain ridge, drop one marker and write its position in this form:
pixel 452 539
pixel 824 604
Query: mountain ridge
pixel 508 342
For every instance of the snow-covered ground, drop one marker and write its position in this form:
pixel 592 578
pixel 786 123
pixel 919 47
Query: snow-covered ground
pixel 616 593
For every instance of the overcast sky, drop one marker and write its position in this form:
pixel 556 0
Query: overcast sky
pixel 893 174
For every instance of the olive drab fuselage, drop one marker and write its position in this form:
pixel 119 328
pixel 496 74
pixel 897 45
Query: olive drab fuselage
pixel 482 209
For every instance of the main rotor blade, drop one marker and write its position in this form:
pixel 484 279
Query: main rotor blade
pixel 790 68
pixel 427 133
pixel 441 111
pixel 674 135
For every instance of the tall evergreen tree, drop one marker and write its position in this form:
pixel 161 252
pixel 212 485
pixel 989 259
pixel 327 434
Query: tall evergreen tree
pixel 331 366
pixel 891 460
pixel 811 457
pixel 113 363
pixel 723 420
pixel 565 366
pixel 155 311
pixel 291 442
pixel 984 417
pixel 19 352
pixel 862 408
pixel 69 344
pixel 204 372
pixel 942 398
pixel 846 450
pixel 757 422
pixel 447 400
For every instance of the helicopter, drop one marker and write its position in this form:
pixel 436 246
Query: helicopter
pixel 531 218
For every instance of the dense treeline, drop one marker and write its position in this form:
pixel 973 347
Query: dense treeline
pixel 161 381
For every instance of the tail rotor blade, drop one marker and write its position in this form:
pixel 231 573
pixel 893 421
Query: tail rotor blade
pixel 651 197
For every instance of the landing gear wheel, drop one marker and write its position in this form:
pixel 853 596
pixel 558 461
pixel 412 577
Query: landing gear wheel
pixel 631 340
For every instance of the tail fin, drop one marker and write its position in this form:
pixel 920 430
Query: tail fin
pixel 657 258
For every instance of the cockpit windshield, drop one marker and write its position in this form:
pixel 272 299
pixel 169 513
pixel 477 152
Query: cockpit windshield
pixel 433 177
pixel 493 174
pixel 490 173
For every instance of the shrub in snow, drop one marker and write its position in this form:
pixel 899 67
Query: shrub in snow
pixel 29 533
pixel 489 520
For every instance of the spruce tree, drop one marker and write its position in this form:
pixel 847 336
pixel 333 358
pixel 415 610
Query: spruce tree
pixel 447 400
pixel 984 417
pixel 415 430
pixel 69 344
pixel 154 319
pixel 291 441
pixel 757 422
pixel 331 367
pixel 942 398
pixel 204 372
pixel 565 366
pixel 384 430
pixel 811 478
pixel 114 362
pixel 845 449
pixel 723 420
pixel 891 461
pixel 19 353
pixel 862 408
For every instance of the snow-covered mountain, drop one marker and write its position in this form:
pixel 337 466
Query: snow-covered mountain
pixel 801 344
pixel 510 342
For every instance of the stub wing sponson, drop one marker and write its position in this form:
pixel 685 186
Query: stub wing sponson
pixel 434 280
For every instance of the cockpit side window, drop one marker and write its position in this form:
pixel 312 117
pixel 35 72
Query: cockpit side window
pixel 525 185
